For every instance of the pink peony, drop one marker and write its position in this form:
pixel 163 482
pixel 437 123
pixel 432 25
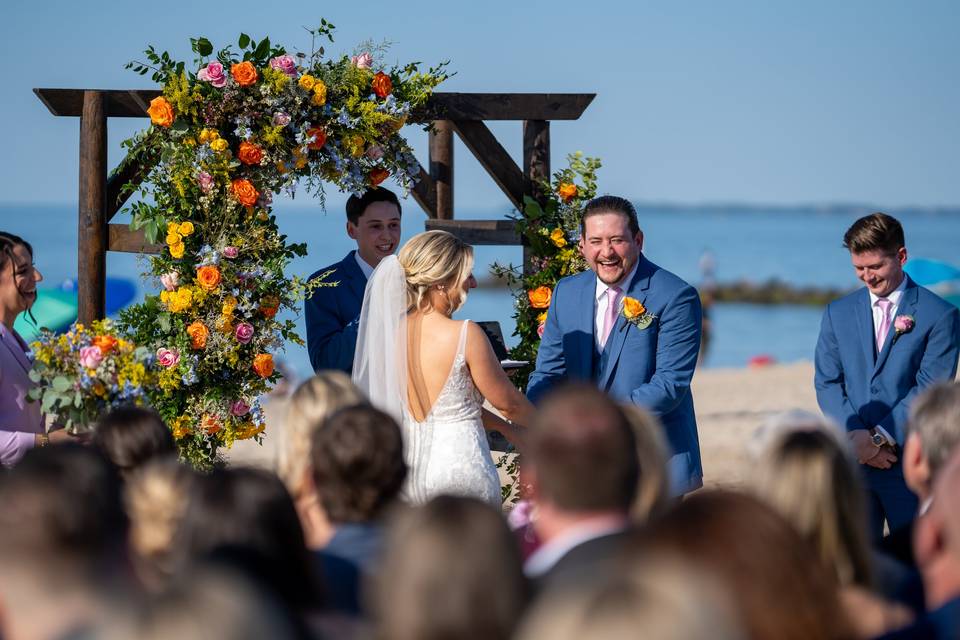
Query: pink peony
pixel 903 324
pixel 213 73
pixel 362 61
pixel 206 181
pixel 375 152
pixel 284 63
pixel 541 328
pixel 167 357
pixel 170 280
pixel 239 408
pixel 230 252
pixel 281 119
pixel 244 333
pixel 90 357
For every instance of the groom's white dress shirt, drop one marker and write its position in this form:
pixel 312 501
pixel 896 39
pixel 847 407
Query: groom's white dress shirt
pixel 366 268
pixel 603 297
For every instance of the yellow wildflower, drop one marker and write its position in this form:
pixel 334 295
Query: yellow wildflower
pixel 542 317
pixel 559 240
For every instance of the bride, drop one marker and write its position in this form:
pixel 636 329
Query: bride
pixel 432 373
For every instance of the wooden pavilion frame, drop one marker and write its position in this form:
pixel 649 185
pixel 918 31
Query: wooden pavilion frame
pixel 101 195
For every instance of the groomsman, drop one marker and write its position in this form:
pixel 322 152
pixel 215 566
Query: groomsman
pixel 878 348
pixel 333 310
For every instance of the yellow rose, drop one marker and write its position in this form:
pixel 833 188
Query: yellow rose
pixel 174 238
pixel 219 145
pixel 229 304
pixel 633 308
pixel 176 250
pixel 319 93
pixel 186 228
pixel 307 81
pixel 559 240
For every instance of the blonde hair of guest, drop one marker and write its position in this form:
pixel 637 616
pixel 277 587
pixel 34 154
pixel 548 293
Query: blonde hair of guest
pixel 436 260
pixel 653 488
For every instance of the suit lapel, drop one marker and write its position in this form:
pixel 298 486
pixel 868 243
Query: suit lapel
pixel 865 328
pixel 611 353
pixel 586 320
pixel 907 307
pixel 354 276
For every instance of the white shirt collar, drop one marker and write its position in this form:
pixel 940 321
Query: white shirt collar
pixel 624 284
pixel 894 296
pixel 366 268
pixel 550 553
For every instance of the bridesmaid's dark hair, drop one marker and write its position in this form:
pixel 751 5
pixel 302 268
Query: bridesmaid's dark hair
pixel 8 242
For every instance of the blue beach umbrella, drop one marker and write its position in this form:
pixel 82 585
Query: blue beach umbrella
pixel 940 277
pixel 56 308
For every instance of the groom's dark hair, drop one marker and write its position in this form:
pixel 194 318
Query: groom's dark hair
pixel 357 205
pixel 610 204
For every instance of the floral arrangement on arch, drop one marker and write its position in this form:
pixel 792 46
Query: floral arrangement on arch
pixel 86 372
pixel 551 229
pixel 227 134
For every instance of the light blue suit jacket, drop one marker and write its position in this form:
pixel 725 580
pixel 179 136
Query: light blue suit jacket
pixel 649 367
pixel 859 388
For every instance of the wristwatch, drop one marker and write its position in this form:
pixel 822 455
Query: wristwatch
pixel 43 439
pixel 877 438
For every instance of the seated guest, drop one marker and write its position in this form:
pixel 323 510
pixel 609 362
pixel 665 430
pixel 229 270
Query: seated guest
pixel 130 436
pixel 313 401
pixel 780 588
pixel 582 470
pixel 358 470
pixel 451 569
pixel 62 543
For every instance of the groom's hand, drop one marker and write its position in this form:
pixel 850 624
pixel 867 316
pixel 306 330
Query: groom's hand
pixel 869 453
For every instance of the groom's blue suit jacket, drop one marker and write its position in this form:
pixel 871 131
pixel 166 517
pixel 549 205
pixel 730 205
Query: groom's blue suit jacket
pixel 861 389
pixel 333 315
pixel 649 367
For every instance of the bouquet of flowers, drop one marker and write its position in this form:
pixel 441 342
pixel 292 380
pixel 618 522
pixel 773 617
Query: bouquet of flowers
pixel 87 372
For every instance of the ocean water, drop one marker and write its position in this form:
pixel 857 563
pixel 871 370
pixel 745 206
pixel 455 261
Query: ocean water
pixel 800 246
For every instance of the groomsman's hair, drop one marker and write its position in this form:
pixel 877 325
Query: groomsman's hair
pixel 583 451
pixel 610 204
pixel 875 232
pixel 356 206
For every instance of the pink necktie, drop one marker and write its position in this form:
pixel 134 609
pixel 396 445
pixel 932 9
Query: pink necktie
pixel 884 327
pixel 610 317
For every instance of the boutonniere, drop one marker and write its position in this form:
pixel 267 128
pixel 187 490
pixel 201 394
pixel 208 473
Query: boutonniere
pixel 637 314
pixel 901 325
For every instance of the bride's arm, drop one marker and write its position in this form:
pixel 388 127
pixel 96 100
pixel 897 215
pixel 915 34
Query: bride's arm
pixel 513 433
pixel 491 380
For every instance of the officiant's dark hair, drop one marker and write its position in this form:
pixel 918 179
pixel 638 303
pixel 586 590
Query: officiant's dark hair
pixel 356 206
pixel 875 232
pixel 610 204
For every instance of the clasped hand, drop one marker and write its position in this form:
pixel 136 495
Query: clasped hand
pixel 869 453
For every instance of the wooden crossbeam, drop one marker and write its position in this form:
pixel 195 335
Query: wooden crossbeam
pixel 425 193
pixel 494 159
pixel 121 237
pixel 481 232
pixel 132 103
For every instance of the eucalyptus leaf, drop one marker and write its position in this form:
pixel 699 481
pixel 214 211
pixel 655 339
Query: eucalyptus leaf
pixel 34 376
pixel 61 384
pixel 243 41
pixel 204 47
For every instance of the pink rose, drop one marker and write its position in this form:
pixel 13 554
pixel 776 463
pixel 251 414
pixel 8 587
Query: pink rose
pixel 244 333
pixel 541 328
pixel 170 280
pixel 213 73
pixel 521 515
pixel 281 119
pixel 375 152
pixel 903 324
pixel 239 408
pixel 206 181
pixel 284 63
pixel 230 252
pixel 362 61
pixel 167 357
pixel 90 357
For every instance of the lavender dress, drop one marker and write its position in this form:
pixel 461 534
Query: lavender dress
pixel 20 420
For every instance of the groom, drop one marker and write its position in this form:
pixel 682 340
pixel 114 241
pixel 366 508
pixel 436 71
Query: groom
pixel 631 328
pixel 333 310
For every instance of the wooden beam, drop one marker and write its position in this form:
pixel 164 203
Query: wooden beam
pixel 131 103
pixel 92 229
pixel 494 158
pixel 536 168
pixel 123 238
pixel 441 166
pixel 425 193
pixel 483 232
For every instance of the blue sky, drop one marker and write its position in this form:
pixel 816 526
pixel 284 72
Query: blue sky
pixel 698 101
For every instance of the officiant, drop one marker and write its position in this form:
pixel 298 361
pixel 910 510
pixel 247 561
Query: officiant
pixel 333 309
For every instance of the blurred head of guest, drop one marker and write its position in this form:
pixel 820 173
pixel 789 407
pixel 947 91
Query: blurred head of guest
pixel 664 597
pixel 131 436
pixel 933 432
pixel 810 479
pixel 653 487
pixel 312 402
pixel 780 587
pixel 937 539
pixel 62 541
pixel 451 570
pixel 245 517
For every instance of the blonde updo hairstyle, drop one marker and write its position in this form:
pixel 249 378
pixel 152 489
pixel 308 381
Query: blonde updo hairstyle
pixel 435 259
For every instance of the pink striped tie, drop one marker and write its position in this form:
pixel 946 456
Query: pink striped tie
pixel 610 316
pixel 884 327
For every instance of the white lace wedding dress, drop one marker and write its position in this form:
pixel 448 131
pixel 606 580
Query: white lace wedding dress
pixel 447 452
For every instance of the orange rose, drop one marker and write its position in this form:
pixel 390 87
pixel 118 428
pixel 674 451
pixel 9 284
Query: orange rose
pixel 161 112
pixel 106 343
pixel 382 85
pixel 540 297
pixel 244 73
pixel 377 176
pixel 208 277
pixel 198 333
pixel 210 424
pixel 263 364
pixel 567 191
pixel 250 153
pixel 244 192
pixel 319 137
pixel 633 308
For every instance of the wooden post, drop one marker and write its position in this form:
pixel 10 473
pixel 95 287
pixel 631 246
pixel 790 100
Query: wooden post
pixel 441 166
pixel 92 245
pixel 536 166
